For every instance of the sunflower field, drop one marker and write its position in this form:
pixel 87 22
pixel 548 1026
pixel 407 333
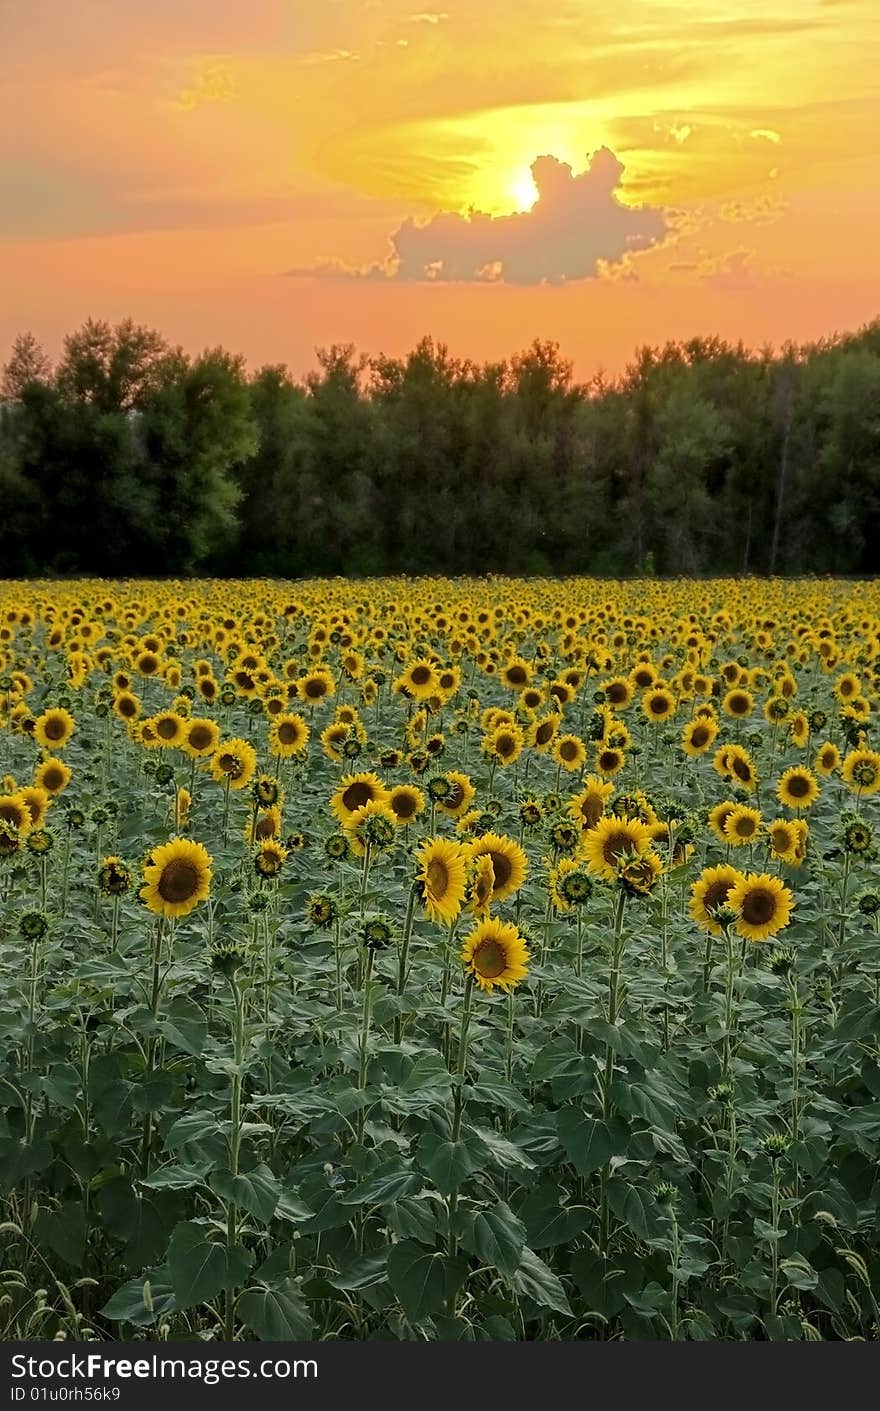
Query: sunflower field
pixel 439 959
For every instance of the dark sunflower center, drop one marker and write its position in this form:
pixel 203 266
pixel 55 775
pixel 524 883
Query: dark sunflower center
pixel 716 895
pixel 456 796
pixel 287 733
pixel 700 737
pixel 438 877
pixel 54 728
pixel 502 867
pixel 616 693
pixel 568 749
pixel 200 737
pixel 615 845
pixel 166 729
pixel 404 806
pixel 356 795
pixel 741 769
pixel 490 960
pixel 758 907
pixel 798 786
pixel 315 689
pixel 544 732
pixel 179 880
pixel 420 675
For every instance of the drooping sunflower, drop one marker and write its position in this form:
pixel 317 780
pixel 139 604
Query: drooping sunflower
pixel 509 862
pixel 797 787
pixel 176 878
pixel 442 878
pixel 588 806
pixel 234 761
pixel 54 728
pixel 698 736
pixel 494 953
pixel 710 891
pixel 764 905
pixel 542 732
pixel 570 751
pixel 374 825
pixel 200 737
pixel 53 775
pixel 611 841
pixel 742 825
pixel 640 875
pixel 860 771
pixel 354 792
pixel 407 802
pixel 460 796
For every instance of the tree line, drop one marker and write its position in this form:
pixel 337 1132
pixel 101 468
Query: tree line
pixel 128 456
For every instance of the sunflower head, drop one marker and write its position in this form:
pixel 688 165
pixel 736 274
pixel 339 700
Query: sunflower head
pixel 494 953
pixel 177 876
pixel 114 877
pixel 441 878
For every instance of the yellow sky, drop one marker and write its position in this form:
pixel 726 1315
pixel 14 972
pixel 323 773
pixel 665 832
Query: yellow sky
pixel 279 175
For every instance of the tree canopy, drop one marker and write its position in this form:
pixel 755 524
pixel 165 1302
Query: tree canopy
pixel 130 456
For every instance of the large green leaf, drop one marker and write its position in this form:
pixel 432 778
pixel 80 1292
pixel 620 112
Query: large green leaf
pixel 200 1268
pixel 276 1314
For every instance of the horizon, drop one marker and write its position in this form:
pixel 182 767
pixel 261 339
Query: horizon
pixel 607 178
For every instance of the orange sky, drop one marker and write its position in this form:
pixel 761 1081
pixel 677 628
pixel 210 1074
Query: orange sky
pixel 276 175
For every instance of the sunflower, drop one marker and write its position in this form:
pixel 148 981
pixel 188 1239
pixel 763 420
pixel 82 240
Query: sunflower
pixel 764 906
pixel 176 878
pixel 114 877
pixel 288 735
pixel 354 792
pixel 374 824
pixel 407 802
pixel 742 825
pixel 588 806
pixel 860 771
pixel 494 953
pixel 38 801
pixel 698 736
pixel 738 703
pixel 481 885
pixel 234 761
pixel 542 732
pixel 15 812
pixel 741 768
pixel 316 686
pixel 509 863
pixel 269 859
pixel 718 816
pixel 640 875
pixel 168 728
pixel 610 761
pixel 827 759
pixel 504 745
pixel 199 737
pixel 53 775
pixel 612 840
pixel 619 692
pixel 709 892
pixel 460 796
pixel 419 681
pixel 267 825
pixel 570 752
pixel 127 705
pixel 658 704
pixel 782 839
pixel 54 728
pixel 797 788
pixel 516 674
pixel 442 878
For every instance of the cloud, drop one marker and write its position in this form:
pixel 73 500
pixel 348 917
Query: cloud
pixel 577 229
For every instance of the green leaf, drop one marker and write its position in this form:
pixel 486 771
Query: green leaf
pixel 447 1163
pixel 255 1191
pixel 496 1236
pixel 200 1269
pixel 175 1177
pixel 185 1025
pixel 504 1153
pixel 63 1231
pixel 422 1279
pixel 535 1280
pixel 361 1273
pixel 390 1182
pixel 141 1301
pixel 277 1314
pixel 586 1141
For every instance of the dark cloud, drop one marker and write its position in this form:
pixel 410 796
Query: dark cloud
pixel 575 230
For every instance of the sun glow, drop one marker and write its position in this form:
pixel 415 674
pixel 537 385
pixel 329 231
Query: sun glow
pixel 523 190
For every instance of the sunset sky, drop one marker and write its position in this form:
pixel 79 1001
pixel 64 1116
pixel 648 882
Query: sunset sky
pixel 276 175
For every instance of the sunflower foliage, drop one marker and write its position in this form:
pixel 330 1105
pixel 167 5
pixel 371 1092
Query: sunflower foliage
pixel 439 959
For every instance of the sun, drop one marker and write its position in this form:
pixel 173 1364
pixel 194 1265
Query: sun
pixel 523 190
